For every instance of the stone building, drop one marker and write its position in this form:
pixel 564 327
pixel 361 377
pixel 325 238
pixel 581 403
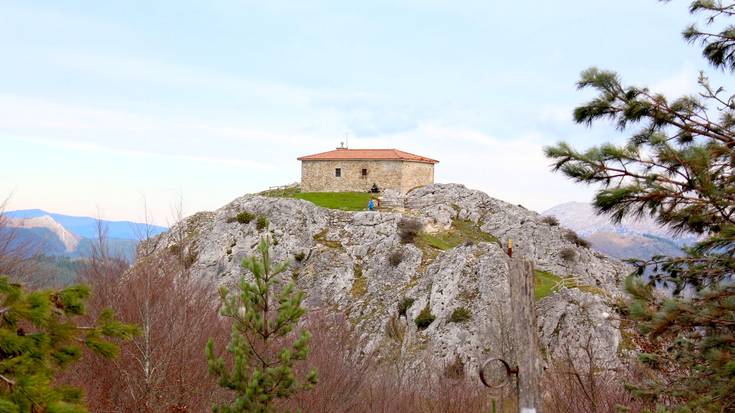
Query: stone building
pixel 357 170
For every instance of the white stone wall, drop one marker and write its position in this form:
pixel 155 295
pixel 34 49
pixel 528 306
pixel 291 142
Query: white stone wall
pixel 416 174
pixel 319 176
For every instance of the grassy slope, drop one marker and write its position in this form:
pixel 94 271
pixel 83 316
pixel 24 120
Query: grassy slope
pixel 345 201
pixel 460 232
pixel 547 283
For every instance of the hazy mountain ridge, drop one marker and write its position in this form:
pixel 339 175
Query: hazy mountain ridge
pixel 86 227
pixel 69 240
pixel 58 235
pixel 633 238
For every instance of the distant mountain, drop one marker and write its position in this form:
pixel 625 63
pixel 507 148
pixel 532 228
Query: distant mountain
pixel 86 227
pixel 58 235
pixel 53 229
pixel 633 238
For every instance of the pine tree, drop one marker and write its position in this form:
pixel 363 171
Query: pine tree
pixel 40 336
pixel 678 168
pixel 263 347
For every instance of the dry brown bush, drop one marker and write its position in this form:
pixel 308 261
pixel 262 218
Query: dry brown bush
pixel 568 254
pixel 395 257
pixel 164 369
pixel 409 229
pixel 353 382
pixel 584 384
pixel 574 238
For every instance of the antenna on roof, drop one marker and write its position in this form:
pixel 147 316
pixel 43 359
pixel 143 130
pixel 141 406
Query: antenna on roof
pixel 347 140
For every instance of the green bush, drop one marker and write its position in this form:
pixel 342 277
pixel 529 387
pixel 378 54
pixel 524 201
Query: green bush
pixel 459 315
pixel 261 223
pixel 404 305
pixel 425 318
pixel 243 217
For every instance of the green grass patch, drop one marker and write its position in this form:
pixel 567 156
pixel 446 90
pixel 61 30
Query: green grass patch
pixel 345 201
pixel 461 231
pixel 547 283
pixel 359 282
pixel 286 192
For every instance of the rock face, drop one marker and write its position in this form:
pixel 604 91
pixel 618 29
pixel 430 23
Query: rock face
pixel 355 262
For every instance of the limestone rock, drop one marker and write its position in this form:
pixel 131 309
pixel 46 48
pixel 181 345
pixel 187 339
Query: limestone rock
pixel 343 262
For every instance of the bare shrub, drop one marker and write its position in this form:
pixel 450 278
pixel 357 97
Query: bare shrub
pixel 16 253
pixel 572 237
pixel 396 257
pixel 580 383
pixel 568 254
pixel 454 369
pixel 409 229
pixel 394 390
pixel 335 353
pixel 353 382
pixel 550 220
pixel 165 368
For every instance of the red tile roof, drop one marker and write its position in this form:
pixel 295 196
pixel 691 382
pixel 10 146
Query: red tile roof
pixel 340 154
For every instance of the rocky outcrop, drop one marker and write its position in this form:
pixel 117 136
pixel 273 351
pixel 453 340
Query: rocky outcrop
pixel 356 263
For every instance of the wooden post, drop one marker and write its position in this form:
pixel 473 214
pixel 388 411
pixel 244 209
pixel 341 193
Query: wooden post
pixel 510 247
pixel 523 307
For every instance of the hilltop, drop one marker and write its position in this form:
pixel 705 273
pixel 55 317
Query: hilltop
pixel 362 264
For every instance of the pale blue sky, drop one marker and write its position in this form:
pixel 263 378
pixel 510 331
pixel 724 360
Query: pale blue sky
pixel 104 104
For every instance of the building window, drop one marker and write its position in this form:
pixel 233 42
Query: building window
pixel 338 172
pixel 364 173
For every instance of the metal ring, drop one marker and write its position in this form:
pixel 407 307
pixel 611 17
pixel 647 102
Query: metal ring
pixel 508 372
